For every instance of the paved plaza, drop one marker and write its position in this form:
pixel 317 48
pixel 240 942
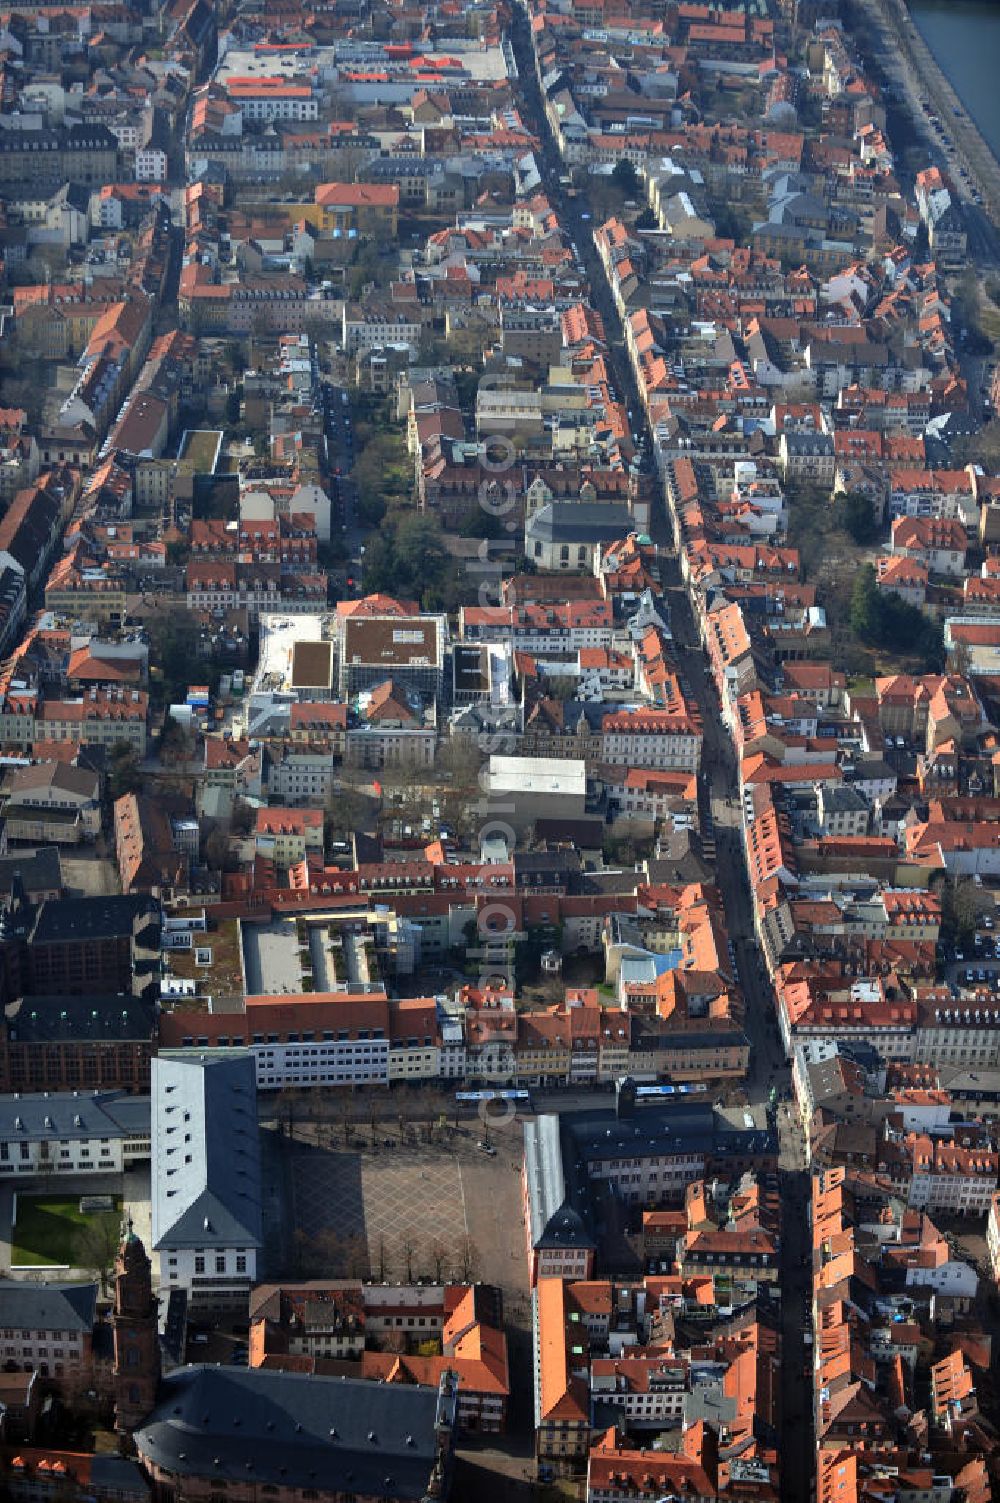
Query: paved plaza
pixel 425 1205
pixel 388 1198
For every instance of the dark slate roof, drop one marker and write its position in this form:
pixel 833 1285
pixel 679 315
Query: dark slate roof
pixel 653 1033
pixel 35 1020
pixel 198 23
pixel 90 918
pixel 404 165
pixel 875 771
pixel 808 443
pixel 73 1114
pixel 673 1128
pixel 368 848
pixel 117 1476
pixel 293 1430
pixel 586 832
pixel 206 1191
pixel 40 870
pixel 47 1307
pixel 680 860
pixel 77 195
pixel 607 882
pixel 843 799
pixel 27 539
pixel 580 522
pixel 59 138
pixel 542 868
pixel 86 137
pixel 11 586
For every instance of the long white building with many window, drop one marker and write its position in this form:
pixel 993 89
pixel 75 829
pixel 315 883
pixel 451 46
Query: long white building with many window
pixel 206 1181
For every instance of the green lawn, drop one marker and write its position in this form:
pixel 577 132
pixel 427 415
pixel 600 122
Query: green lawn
pixel 50 1229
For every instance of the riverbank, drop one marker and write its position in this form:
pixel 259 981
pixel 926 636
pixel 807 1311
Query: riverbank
pixel 923 78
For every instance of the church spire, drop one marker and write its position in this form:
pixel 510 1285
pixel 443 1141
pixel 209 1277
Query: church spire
pixel 136 1336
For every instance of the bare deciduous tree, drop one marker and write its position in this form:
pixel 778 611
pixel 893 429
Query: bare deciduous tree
pixel 439 1258
pixel 356 1261
pixel 382 1262
pixel 469 1260
pixel 97 1247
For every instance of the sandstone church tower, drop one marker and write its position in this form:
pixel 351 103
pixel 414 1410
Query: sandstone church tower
pixel 136 1338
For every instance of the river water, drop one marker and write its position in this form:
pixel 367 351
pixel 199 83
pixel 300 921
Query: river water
pixel 964 36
